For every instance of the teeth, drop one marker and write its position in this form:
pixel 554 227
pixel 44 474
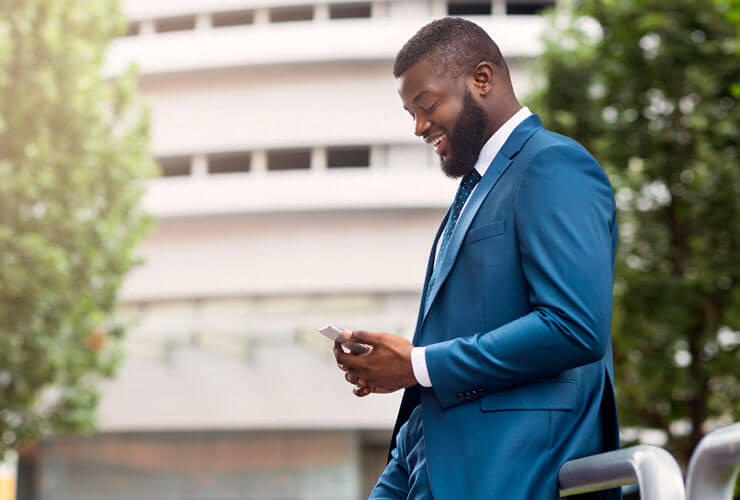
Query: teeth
pixel 437 140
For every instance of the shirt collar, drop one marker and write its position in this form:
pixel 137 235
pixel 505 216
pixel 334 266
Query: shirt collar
pixel 494 144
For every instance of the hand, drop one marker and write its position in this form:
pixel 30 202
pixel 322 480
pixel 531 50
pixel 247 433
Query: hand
pixel 361 388
pixel 386 368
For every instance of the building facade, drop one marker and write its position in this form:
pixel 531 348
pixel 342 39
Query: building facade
pixel 293 194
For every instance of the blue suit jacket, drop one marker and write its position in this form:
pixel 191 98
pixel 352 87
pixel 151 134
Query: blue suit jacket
pixel 518 330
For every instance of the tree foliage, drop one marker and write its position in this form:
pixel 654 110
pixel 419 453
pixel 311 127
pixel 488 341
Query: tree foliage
pixel 650 88
pixel 73 157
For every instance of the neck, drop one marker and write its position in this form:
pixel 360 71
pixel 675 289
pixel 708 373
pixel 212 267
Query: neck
pixel 501 116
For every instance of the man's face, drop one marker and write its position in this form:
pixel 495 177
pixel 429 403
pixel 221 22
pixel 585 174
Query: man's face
pixel 446 116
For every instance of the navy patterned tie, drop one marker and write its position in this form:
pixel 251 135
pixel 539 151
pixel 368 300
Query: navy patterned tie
pixel 466 187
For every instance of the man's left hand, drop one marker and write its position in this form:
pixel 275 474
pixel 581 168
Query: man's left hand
pixel 387 366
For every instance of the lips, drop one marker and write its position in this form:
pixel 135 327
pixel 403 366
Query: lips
pixel 439 143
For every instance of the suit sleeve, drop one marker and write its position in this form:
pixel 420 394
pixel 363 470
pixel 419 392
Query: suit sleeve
pixel 565 223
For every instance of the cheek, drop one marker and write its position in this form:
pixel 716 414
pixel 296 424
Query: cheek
pixel 449 117
pixel 444 121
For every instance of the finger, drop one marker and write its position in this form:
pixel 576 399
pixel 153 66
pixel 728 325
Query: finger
pixel 338 353
pixel 384 391
pixel 337 349
pixel 348 360
pixel 352 379
pixel 362 337
pixel 361 392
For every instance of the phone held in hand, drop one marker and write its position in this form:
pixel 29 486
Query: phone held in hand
pixel 333 333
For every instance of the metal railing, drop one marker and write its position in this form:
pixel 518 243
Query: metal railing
pixel 714 465
pixel 655 471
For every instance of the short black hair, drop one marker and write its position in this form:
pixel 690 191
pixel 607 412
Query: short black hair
pixel 455 45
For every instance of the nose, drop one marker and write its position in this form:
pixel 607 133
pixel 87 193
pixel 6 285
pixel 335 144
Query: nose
pixel 421 125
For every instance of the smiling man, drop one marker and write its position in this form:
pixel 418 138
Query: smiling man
pixel 509 374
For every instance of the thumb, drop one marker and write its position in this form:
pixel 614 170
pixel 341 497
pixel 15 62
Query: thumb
pixel 363 337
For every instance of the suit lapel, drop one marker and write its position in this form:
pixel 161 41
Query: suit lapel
pixel 498 166
pixel 428 275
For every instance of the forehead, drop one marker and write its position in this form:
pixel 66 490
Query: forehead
pixel 421 79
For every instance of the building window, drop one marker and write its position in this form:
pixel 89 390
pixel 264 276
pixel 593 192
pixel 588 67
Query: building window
pixel 349 10
pixel 226 163
pixel 347 157
pixel 469 8
pixel 290 14
pixel 527 7
pixel 232 18
pixel 132 29
pixel 168 24
pixel 173 166
pixel 289 159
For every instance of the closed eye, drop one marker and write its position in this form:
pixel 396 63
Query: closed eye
pixel 430 108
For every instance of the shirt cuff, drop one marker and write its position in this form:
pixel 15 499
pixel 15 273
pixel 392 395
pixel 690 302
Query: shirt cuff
pixel 419 366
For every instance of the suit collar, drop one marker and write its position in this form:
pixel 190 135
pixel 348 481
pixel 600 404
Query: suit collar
pixel 520 136
pixel 498 166
pixel 494 143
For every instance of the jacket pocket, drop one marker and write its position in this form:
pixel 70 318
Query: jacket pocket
pixel 554 394
pixel 495 228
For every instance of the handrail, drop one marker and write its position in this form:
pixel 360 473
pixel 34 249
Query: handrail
pixel 714 465
pixel 655 470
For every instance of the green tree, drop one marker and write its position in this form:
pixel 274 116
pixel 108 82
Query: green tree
pixel 650 88
pixel 73 159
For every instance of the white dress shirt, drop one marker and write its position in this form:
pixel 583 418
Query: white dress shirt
pixel 487 153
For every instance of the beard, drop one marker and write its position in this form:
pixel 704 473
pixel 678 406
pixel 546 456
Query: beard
pixel 467 139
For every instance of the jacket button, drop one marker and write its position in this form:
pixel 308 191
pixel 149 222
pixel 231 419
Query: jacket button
pixel 459 395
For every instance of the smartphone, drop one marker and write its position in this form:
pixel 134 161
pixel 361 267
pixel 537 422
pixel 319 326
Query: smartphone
pixel 333 333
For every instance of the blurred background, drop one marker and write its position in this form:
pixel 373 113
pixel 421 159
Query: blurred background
pixel 191 188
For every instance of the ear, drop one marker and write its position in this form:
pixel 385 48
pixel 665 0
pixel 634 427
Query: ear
pixel 482 78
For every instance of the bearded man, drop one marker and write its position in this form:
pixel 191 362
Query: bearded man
pixel 509 374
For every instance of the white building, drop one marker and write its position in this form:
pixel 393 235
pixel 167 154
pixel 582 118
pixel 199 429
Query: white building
pixel 294 195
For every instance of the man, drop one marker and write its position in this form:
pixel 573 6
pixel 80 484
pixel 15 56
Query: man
pixel 512 373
